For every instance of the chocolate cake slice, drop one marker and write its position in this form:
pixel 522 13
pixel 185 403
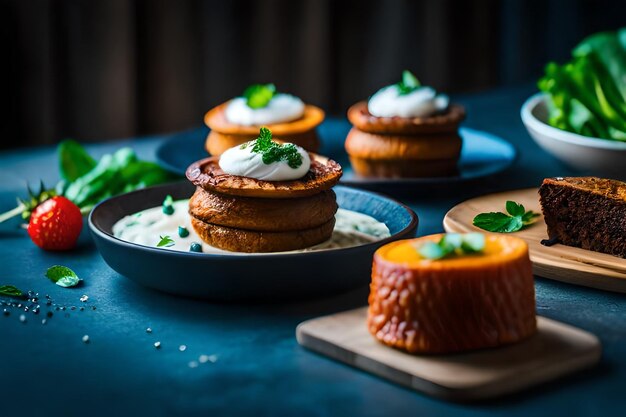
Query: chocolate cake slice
pixel 586 212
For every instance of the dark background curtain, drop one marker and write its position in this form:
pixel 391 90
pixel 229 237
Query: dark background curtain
pixel 103 69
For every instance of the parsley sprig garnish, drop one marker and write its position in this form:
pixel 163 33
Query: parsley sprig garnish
pixel 408 84
pixel 452 244
pixel 274 152
pixel 259 95
pixel 499 222
pixel 165 241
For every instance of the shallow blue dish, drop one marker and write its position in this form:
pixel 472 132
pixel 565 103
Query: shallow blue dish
pixel 258 277
pixel 483 154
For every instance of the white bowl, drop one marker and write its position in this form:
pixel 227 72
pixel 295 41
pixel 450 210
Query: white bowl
pixel 593 156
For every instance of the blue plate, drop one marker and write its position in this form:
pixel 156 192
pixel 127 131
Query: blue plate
pixel 257 277
pixel 483 154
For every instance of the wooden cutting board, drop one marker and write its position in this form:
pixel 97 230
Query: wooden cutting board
pixel 556 350
pixel 559 262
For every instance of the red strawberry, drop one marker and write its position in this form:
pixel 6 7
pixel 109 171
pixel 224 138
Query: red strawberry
pixel 55 224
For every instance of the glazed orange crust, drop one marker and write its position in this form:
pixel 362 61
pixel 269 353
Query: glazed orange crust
pixel 312 117
pixel 217 143
pixel 207 174
pixel 263 214
pixel 403 168
pixel 240 240
pixel 452 305
pixel 448 121
pixel 375 146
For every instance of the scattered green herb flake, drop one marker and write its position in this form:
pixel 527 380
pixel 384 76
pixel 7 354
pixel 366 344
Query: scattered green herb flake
pixel 259 95
pixel 452 244
pixel 195 247
pixel 499 222
pixel 11 291
pixel 63 276
pixel 408 84
pixel 165 241
pixel 274 152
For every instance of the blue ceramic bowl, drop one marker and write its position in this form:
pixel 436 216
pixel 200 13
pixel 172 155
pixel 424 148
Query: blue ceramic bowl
pixel 255 277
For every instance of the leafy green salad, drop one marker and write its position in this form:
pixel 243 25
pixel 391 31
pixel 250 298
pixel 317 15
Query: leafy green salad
pixel 587 95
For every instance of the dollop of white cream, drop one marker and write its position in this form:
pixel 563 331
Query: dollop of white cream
pixel 241 161
pixel 423 102
pixel 281 108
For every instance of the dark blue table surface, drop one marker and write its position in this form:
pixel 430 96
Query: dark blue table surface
pixel 259 368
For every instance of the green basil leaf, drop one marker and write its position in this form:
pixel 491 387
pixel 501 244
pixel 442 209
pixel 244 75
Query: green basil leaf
pixel 529 216
pixel 259 95
pixel 11 291
pixel 515 209
pixel 74 161
pixel 410 80
pixel 62 276
pixel 408 84
pixel 473 242
pixel 68 281
pixel 431 250
pixel 451 241
pixel 492 222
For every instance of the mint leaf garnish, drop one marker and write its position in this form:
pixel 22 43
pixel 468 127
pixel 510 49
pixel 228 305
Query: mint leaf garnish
pixel 515 209
pixel 274 152
pixel 62 276
pixel 408 84
pixel 499 222
pixel 165 241
pixel 11 291
pixel 452 244
pixel 259 95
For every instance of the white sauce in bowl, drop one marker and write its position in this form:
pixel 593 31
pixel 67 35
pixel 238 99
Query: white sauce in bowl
pixel 243 162
pixel 148 226
pixel 281 108
pixel 423 102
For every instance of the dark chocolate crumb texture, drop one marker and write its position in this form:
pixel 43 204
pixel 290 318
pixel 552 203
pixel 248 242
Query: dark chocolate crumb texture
pixel 586 212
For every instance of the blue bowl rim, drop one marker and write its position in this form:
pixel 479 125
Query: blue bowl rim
pixel 412 225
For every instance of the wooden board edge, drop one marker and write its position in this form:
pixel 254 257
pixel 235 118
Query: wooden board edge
pixel 558 370
pixel 545 270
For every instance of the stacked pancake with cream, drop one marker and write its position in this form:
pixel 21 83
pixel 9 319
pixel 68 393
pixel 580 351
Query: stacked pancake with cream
pixel 238 120
pixel 405 130
pixel 264 196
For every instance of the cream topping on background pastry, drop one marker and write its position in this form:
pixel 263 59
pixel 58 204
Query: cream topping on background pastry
pixel 421 102
pixel 266 160
pixel 281 108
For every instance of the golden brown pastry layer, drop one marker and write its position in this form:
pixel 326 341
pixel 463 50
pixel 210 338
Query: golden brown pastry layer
pixel 263 214
pixel 207 174
pixel 448 121
pixel 312 117
pixel 241 240
pixel 403 168
pixel 423 147
pixel 217 143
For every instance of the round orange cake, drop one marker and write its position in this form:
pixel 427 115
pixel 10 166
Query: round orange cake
pixel 453 304
pixel 224 134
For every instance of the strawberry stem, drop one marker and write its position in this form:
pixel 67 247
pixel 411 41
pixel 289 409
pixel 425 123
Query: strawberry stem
pixel 12 213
